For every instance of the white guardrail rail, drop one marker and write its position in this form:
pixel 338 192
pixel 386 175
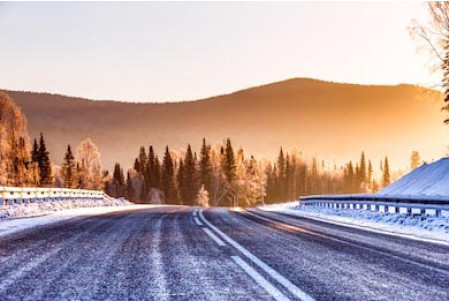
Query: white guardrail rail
pixel 10 196
pixel 387 204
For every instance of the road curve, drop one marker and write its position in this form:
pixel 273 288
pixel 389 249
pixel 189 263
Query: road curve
pixel 184 253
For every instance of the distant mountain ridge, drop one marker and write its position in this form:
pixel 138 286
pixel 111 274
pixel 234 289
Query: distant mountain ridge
pixel 330 120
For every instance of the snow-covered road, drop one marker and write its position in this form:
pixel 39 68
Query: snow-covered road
pixel 181 253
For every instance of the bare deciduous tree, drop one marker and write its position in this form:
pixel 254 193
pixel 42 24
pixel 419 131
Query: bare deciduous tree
pixel 433 38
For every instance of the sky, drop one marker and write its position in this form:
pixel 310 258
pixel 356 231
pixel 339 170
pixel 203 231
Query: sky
pixel 176 51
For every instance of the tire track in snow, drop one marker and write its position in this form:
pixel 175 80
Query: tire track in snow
pixel 89 240
pixel 158 263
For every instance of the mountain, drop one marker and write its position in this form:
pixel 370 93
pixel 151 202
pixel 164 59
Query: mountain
pixel 330 120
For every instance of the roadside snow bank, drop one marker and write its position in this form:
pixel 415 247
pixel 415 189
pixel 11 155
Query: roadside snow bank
pixel 9 226
pixel 413 226
pixel 44 208
pixel 426 180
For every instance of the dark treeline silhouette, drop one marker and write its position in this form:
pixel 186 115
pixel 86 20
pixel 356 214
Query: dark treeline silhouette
pixel 223 176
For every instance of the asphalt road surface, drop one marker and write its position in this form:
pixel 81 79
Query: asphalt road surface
pixel 184 253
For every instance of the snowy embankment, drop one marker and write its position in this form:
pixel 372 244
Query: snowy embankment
pixel 45 208
pixel 21 217
pixel 429 182
pixel 413 226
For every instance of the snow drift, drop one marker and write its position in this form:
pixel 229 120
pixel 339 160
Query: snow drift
pixel 427 180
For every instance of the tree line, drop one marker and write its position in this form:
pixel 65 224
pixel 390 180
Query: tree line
pixel 28 165
pixel 220 175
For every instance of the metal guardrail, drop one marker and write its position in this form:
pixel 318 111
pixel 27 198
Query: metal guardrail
pixel 387 204
pixel 22 195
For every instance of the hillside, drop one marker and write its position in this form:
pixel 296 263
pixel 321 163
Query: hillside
pixel 429 180
pixel 332 120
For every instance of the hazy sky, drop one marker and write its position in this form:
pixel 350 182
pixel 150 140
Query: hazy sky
pixel 188 50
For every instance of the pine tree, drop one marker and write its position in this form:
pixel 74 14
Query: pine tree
pixel 281 170
pixel 228 162
pixel 369 173
pixel 362 169
pixel 349 178
pixel 288 182
pixel 190 178
pixel 314 177
pixel 142 161
pixel 69 169
pixel 152 175
pixel 35 152
pixel 180 183
pixel 136 164
pixel 205 169
pixel 45 167
pixel 118 181
pixel 157 180
pixel 386 178
pixel 130 192
pixel 167 179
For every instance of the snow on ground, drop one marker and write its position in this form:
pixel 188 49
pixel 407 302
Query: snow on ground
pixel 427 180
pixel 44 208
pixel 20 217
pixel 417 226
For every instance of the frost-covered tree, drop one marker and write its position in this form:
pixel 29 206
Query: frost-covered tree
pixel 220 186
pixel 415 160
pixel 14 144
pixel 202 197
pixel 240 182
pixel 89 156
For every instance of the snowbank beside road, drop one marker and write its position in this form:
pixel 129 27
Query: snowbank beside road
pixel 414 226
pixel 44 208
pixel 427 180
pixel 19 224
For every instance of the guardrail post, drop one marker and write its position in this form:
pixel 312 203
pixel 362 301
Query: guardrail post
pixel 408 210
pixel 423 211
pixel 438 213
pixel 377 207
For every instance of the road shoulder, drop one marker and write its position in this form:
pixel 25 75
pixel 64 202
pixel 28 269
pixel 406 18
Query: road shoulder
pixel 12 226
pixel 367 225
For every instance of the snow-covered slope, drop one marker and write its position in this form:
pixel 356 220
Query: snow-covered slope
pixel 427 180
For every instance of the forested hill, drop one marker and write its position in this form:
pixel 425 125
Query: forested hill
pixel 321 118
